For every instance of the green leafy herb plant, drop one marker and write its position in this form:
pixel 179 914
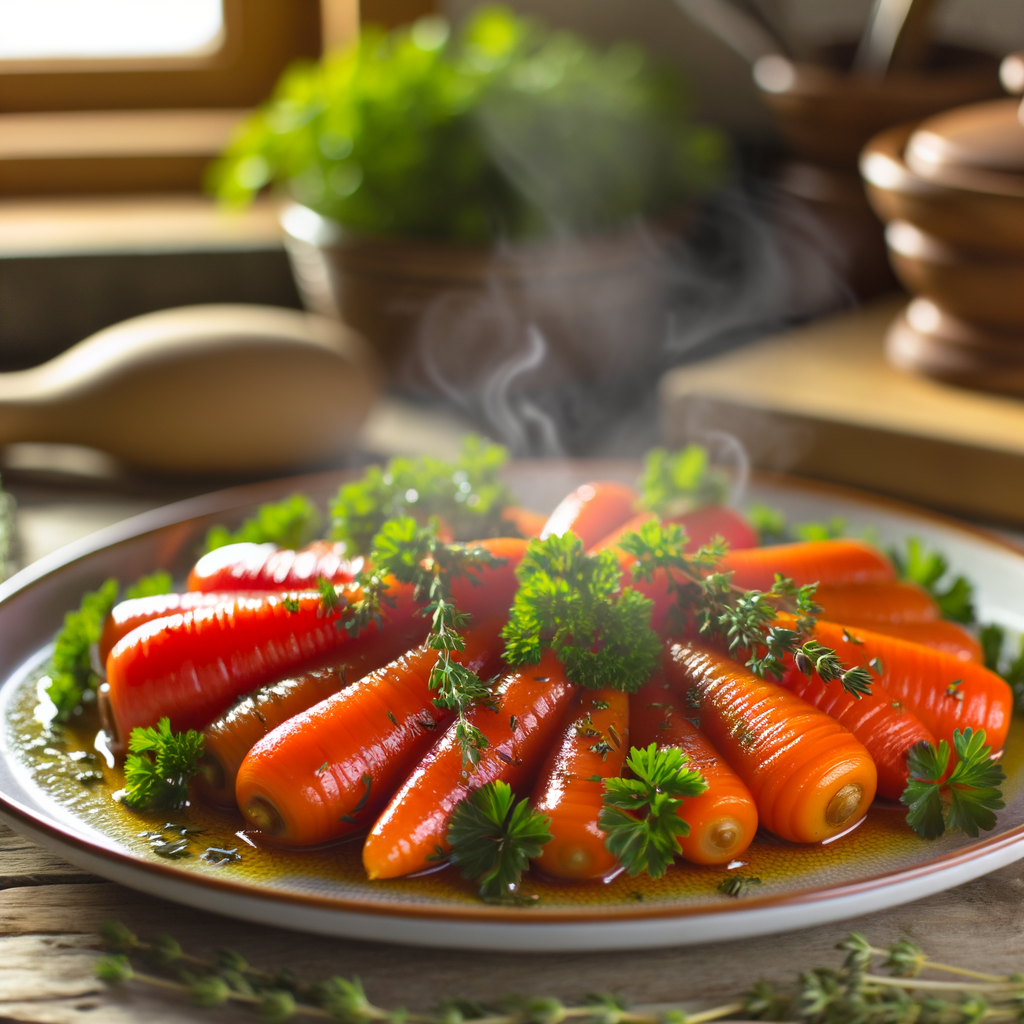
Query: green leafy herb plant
pixel 291 522
pixel 159 767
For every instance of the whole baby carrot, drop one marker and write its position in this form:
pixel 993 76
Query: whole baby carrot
pixel 944 692
pixel 722 819
pixel 570 790
pixel 701 526
pixel 410 834
pixel 945 636
pixel 810 778
pixel 233 734
pixel 885 727
pixel 527 522
pixel 246 566
pixel 592 511
pixel 328 771
pixel 819 561
pixel 872 604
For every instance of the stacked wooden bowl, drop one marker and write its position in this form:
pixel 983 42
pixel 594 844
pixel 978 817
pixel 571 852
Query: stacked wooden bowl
pixel 951 191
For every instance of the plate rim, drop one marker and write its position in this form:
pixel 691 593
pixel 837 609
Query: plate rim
pixel 225 500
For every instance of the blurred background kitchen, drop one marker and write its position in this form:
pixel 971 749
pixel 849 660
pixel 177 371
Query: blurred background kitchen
pixel 578 226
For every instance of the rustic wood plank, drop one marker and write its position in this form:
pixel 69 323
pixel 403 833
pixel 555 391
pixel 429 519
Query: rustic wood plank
pixel 22 863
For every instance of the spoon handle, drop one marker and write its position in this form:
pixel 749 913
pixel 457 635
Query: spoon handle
pixel 896 37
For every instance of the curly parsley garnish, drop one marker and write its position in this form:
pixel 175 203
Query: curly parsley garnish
pixel 291 522
pixel 493 838
pixel 674 483
pixel 159 767
pixel 967 800
pixel 570 602
pixel 745 620
pixel 927 569
pixel 466 495
pixel 640 816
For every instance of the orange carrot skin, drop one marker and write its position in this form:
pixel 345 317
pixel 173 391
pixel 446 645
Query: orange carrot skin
pixel 129 615
pixel 821 561
pixel 247 566
pixel 943 635
pixel 723 819
pixel 570 791
pixel 228 738
pixel 921 678
pixel 810 778
pixel 304 783
pixel 413 828
pixel 872 604
pixel 592 511
pixel 885 727
pixel 525 520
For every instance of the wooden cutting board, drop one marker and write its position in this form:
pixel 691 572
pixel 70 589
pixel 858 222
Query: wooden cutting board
pixel 822 401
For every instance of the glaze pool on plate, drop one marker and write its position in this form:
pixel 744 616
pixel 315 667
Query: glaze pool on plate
pixel 880 863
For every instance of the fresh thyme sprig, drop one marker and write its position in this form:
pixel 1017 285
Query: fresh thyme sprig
pixel 966 800
pixel 744 620
pixel 640 816
pixel 159 767
pixel 494 837
pixel 571 603
pixel 874 985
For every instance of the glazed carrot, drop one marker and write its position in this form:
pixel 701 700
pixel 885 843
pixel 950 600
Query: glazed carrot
pixel 701 526
pixel 525 520
pixel 129 615
pixel 871 604
pixel 885 727
pixel 328 771
pixel 923 679
pixel 810 778
pixel 819 561
pixel 412 830
pixel 192 665
pixel 943 635
pixel 246 566
pixel 233 734
pixel 723 819
pixel 569 790
pixel 592 511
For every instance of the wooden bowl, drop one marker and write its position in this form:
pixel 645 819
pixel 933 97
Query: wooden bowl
pixel 926 339
pixel 974 286
pixel 827 115
pixel 978 219
pixel 447 317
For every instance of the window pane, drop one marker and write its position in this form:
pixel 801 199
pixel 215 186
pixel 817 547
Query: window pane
pixel 45 29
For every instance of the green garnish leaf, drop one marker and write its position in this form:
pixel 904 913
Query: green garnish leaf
pixel 734 885
pixel 71 671
pixel 290 523
pixel 674 483
pixel 153 585
pixel 992 637
pixel 493 838
pixel 927 568
pixel 467 496
pixel 773 527
pixel 159 766
pixel 640 816
pixel 967 800
pixel 569 602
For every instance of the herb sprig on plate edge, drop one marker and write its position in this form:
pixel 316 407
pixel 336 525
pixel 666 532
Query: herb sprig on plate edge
pixel 874 985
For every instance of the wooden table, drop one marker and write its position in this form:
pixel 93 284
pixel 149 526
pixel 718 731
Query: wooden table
pixel 50 911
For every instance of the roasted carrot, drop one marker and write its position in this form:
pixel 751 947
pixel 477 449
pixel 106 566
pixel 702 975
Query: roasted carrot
pixel 247 566
pixel 233 734
pixel 943 691
pixel 871 604
pixel 885 727
pixel 943 635
pixel 411 832
pixel 820 561
pixel 191 666
pixel 569 790
pixel 129 615
pixel 592 511
pixel 701 526
pixel 810 778
pixel 723 819
pixel 525 520
pixel 328 771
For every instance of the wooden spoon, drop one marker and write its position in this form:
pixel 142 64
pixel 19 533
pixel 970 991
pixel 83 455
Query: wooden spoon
pixel 201 390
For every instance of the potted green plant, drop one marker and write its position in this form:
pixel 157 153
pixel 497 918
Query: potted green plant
pixel 492 196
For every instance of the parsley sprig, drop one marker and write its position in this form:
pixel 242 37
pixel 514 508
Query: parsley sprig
pixel 967 800
pixel 928 569
pixel 494 837
pixel 159 767
pixel 674 483
pixel 744 620
pixel 291 522
pixel 571 603
pixel 640 815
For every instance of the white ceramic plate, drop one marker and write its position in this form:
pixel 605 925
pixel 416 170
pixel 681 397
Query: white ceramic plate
pixel 879 865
